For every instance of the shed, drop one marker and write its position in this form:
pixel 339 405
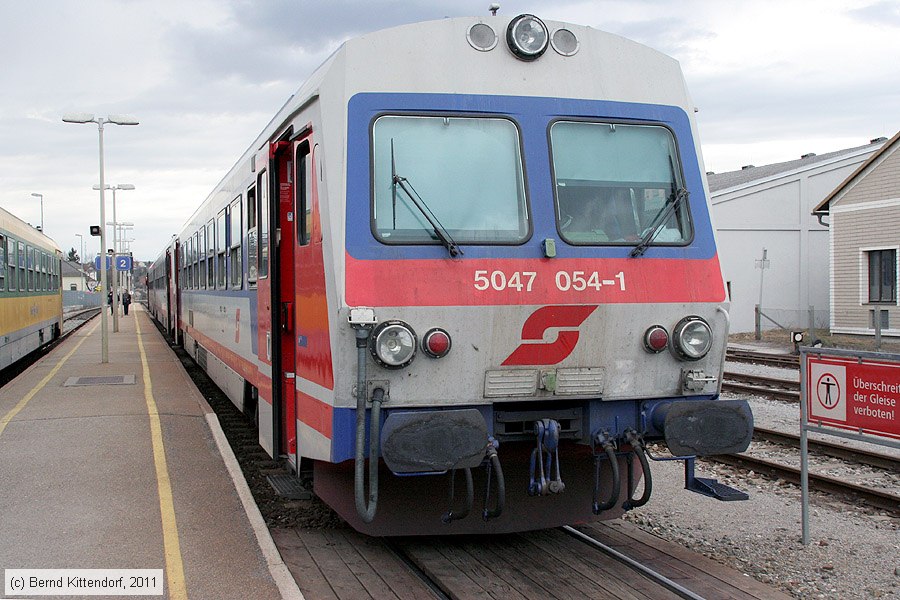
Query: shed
pixel 864 240
pixel 769 207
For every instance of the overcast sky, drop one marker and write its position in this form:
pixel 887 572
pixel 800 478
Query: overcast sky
pixel 772 79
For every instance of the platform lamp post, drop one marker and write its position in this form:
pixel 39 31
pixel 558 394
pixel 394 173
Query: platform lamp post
pixel 100 121
pixel 115 285
pixel 41 196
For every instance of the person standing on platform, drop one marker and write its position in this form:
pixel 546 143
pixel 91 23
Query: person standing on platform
pixel 126 301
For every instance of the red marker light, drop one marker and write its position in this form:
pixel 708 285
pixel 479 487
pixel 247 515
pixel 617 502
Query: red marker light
pixel 436 343
pixel 656 339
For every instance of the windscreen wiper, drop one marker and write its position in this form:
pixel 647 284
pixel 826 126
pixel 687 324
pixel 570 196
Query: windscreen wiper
pixel 439 230
pixel 659 220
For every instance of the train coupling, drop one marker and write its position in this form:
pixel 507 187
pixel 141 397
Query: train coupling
pixel 545 477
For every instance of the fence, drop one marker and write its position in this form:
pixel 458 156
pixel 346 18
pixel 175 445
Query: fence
pixel 790 319
pixel 77 299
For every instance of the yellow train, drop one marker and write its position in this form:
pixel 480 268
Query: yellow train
pixel 31 312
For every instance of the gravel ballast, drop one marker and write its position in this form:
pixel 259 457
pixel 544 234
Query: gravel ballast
pixel 854 551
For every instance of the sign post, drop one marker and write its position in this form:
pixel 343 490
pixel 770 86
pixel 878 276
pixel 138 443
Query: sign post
pixel 848 394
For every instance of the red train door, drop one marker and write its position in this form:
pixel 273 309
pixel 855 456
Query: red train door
pixel 313 342
pixel 284 374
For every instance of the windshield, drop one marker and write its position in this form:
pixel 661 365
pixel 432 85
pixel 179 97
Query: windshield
pixel 613 180
pixel 467 171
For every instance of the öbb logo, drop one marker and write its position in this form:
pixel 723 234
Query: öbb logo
pixel 538 352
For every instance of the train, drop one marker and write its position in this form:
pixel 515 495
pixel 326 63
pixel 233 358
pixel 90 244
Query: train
pixel 31 309
pixel 465 277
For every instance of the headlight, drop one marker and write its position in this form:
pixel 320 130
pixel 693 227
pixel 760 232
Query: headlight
pixel 527 37
pixel 393 344
pixel 692 338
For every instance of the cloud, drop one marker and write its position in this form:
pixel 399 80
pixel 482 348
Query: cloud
pixel 879 14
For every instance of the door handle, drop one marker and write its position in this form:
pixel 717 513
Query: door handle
pixel 287 316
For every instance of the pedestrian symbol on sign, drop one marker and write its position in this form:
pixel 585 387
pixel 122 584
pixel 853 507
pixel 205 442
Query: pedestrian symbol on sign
pixel 828 391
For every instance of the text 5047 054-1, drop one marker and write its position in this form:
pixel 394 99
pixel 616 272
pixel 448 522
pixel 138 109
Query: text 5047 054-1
pixel 523 281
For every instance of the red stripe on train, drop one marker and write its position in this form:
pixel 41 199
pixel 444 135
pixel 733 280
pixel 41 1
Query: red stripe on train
pixel 479 282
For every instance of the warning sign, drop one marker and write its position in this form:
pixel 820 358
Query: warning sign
pixel 858 394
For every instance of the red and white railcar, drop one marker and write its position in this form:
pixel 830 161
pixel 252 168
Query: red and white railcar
pixel 479 252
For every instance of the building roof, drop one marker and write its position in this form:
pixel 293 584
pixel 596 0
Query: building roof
pixel 824 206
pixel 72 269
pixel 750 173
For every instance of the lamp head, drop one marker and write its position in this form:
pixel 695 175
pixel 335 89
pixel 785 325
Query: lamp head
pixel 78 118
pixel 123 119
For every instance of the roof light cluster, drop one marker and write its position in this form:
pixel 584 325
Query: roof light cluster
pixel 527 37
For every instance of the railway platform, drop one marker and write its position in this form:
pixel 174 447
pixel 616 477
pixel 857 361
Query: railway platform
pixel 123 466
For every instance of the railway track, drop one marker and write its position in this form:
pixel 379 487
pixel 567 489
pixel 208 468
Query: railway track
pixel 567 562
pixel 878 498
pixel 762 358
pixel 848 453
pixel 758 385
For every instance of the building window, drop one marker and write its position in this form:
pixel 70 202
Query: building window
pixel 883 276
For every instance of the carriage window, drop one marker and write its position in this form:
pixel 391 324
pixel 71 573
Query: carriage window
pixel 190 263
pixel 23 278
pixel 29 253
pixel 304 194
pixel 614 183
pixel 237 272
pixel 195 260
pixel 252 245
pixel 210 256
pixel 220 250
pixel 201 257
pixel 11 263
pixel 263 187
pixel 2 263
pixel 465 172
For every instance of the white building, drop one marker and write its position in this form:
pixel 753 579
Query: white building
pixel 771 207
pixel 74 278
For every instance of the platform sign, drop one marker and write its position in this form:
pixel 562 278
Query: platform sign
pixel 108 263
pixel 861 394
pixel 123 262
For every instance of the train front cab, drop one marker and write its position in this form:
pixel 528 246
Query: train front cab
pixel 554 376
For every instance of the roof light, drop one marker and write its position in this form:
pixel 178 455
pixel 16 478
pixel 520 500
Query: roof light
pixel 564 42
pixel 527 37
pixel 482 36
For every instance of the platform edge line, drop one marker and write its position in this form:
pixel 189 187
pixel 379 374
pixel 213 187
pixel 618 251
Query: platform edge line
pixel 171 544
pixel 282 576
